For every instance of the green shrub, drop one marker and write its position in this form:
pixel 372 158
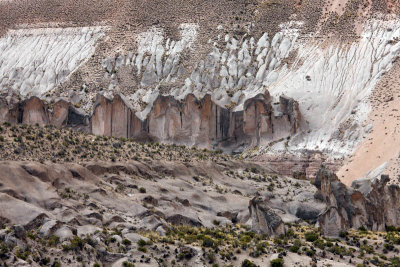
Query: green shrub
pixel 311 236
pixel 319 243
pixel 296 246
pixel 75 244
pixel 126 242
pixel 141 243
pixel 128 264
pixel 277 263
pixel 247 263
pixel 362 228
pixel 53 241
pixel 142 249
pixel 208 242
pixel 395 261
pixel 391 228
pixel 142 190
pixel 343 234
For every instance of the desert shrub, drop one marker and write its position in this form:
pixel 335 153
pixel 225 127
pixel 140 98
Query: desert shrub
pixel 343 234
pixel 142 190
pixel 391 228
pixel 296 246
pixel 367 248
pixel 141 243
pixel 277 263
pixel 128 264
pixel 142 249
pixel 362 228
pixel 247 263
pixel 53 241
pixel 319 243
pixel 311 236
pixel 126 242
pixel 75 244
pixel 208 242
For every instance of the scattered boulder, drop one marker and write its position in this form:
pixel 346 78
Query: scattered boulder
pixel 178 219
pixel 134 238
pixel 49 227
pixel 264 219
pixel 19 231
pixel 64 233
pixel 231 215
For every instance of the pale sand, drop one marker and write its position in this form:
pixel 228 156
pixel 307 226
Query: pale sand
pixel 382 144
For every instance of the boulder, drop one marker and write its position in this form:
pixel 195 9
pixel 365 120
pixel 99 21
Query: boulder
pixel 178 219
pixel 134 238
pixel 35 111
pixel 49 227
pixel 64 233
pixel 264 219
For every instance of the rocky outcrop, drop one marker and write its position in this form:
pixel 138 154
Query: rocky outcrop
pixel 193 121
pixel 264 219
pixel 115 118
pixel 371 203
pixel 36 111
pixel 198 122
pixel 337 214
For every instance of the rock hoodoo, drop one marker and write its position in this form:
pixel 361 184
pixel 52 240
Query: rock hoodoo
pixel 371 203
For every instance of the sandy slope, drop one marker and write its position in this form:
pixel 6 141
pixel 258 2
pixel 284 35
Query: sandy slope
pixel 382 144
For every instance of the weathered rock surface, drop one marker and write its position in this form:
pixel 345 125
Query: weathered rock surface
pixel 264 219
pixel 193 121
pixel 371 203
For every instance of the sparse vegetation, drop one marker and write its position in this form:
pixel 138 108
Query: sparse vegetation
pixel 35 143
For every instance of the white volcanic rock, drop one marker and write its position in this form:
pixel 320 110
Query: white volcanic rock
pixel 332 81
pixel 332 85
pixel 34 61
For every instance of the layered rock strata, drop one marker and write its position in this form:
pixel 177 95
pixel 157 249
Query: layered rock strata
pixel 192 121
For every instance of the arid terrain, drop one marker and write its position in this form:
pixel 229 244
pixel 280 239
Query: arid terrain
pixel 199 133
pixel 74 199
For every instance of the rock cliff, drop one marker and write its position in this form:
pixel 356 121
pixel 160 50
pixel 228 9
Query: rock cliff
pixel 372 203
pixel 192 121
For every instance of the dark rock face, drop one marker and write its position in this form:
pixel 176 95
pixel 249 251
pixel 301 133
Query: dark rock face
pixel 370 203
pixel 8 111
pixel 264 219
pixel 192 121
pixel 195 121
pixel 38 112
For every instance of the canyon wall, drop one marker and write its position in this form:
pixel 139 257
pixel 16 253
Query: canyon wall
pixel 192 121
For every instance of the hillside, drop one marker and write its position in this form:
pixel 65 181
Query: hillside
pixel 199 133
